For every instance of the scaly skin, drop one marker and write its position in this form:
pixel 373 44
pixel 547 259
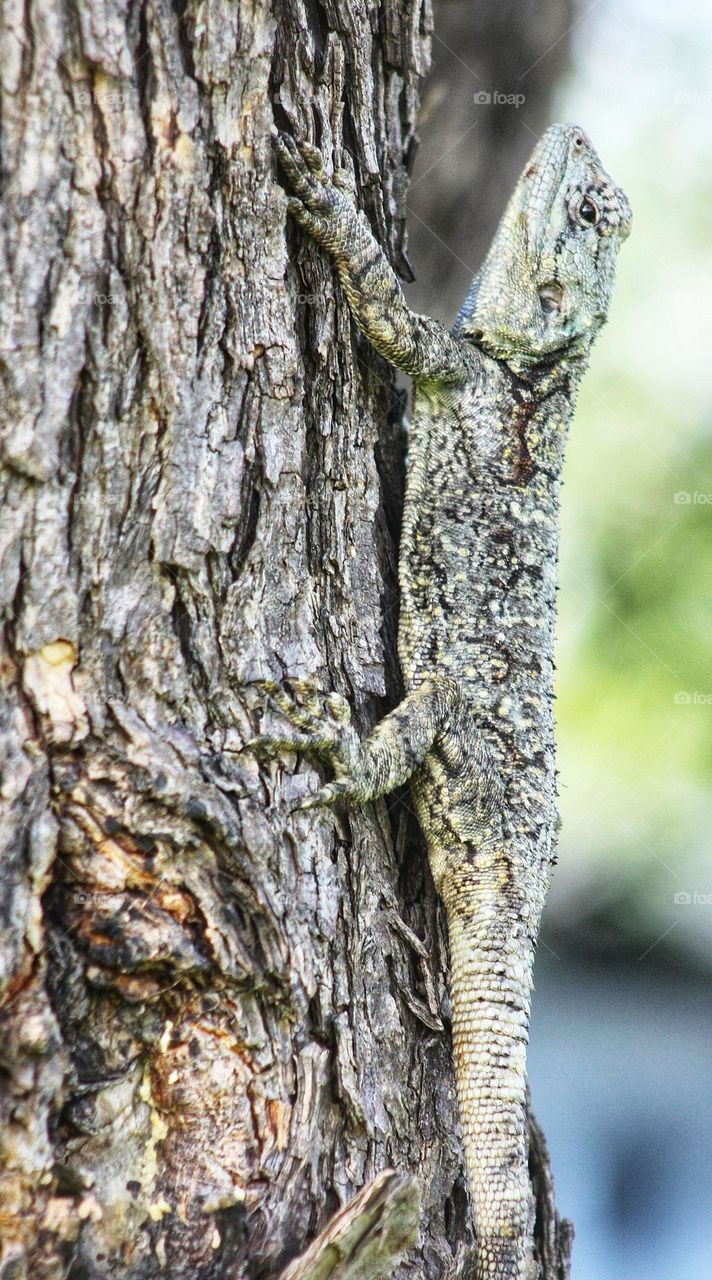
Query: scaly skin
pixel 475 732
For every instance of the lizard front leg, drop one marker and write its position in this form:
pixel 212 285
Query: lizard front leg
pixel 325 209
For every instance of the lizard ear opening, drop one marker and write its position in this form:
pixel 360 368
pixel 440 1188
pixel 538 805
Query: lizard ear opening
pixel 551 297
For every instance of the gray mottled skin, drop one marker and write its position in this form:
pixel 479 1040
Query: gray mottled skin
pixel 474 733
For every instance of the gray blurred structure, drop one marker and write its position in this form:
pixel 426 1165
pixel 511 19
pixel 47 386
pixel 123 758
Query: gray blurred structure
pixel 472 149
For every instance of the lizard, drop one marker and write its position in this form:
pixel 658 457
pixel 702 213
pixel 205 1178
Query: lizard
pixel 474 733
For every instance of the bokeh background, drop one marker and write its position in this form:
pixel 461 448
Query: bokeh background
pixel 621 1049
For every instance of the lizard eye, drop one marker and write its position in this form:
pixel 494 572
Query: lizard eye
pixel 584 210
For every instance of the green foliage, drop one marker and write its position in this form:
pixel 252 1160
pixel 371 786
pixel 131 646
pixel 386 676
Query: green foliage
pixel 635 631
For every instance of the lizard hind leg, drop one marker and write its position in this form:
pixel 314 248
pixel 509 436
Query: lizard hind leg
pixel 322 722
pixel 364 770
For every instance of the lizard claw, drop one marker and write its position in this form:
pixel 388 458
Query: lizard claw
pixel 309 694
pixel 314 159
pixel 311 802
pixel 322 721
pixel 264 686
pixel 304 167
pixel 338 708
pixel 267 744
pixel 331 793
pixel 345 181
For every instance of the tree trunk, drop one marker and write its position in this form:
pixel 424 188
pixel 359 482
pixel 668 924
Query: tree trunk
pixel 219 1019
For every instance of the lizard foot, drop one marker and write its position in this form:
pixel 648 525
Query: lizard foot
pixel 315 200
pixel 323 724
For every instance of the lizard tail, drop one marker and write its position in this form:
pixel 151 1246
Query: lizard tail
pixel 491 959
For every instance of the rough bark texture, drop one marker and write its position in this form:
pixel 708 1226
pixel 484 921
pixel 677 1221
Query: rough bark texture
pixel 216 1024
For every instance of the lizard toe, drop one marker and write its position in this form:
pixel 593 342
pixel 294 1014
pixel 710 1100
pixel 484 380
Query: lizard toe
pixel 314 159
pixel 343 789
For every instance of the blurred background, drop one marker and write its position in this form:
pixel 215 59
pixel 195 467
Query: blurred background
pixel 621 1048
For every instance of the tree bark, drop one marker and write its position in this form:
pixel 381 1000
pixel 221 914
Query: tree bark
pixel 219 1019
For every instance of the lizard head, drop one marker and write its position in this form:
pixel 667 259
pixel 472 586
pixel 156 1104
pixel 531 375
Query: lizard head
pixel 545 287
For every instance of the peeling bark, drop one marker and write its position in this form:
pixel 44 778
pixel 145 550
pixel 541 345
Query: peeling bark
pixel 218 1020
pixel 365 1239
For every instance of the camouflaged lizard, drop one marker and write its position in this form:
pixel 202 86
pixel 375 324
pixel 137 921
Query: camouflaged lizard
pixel 474 733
